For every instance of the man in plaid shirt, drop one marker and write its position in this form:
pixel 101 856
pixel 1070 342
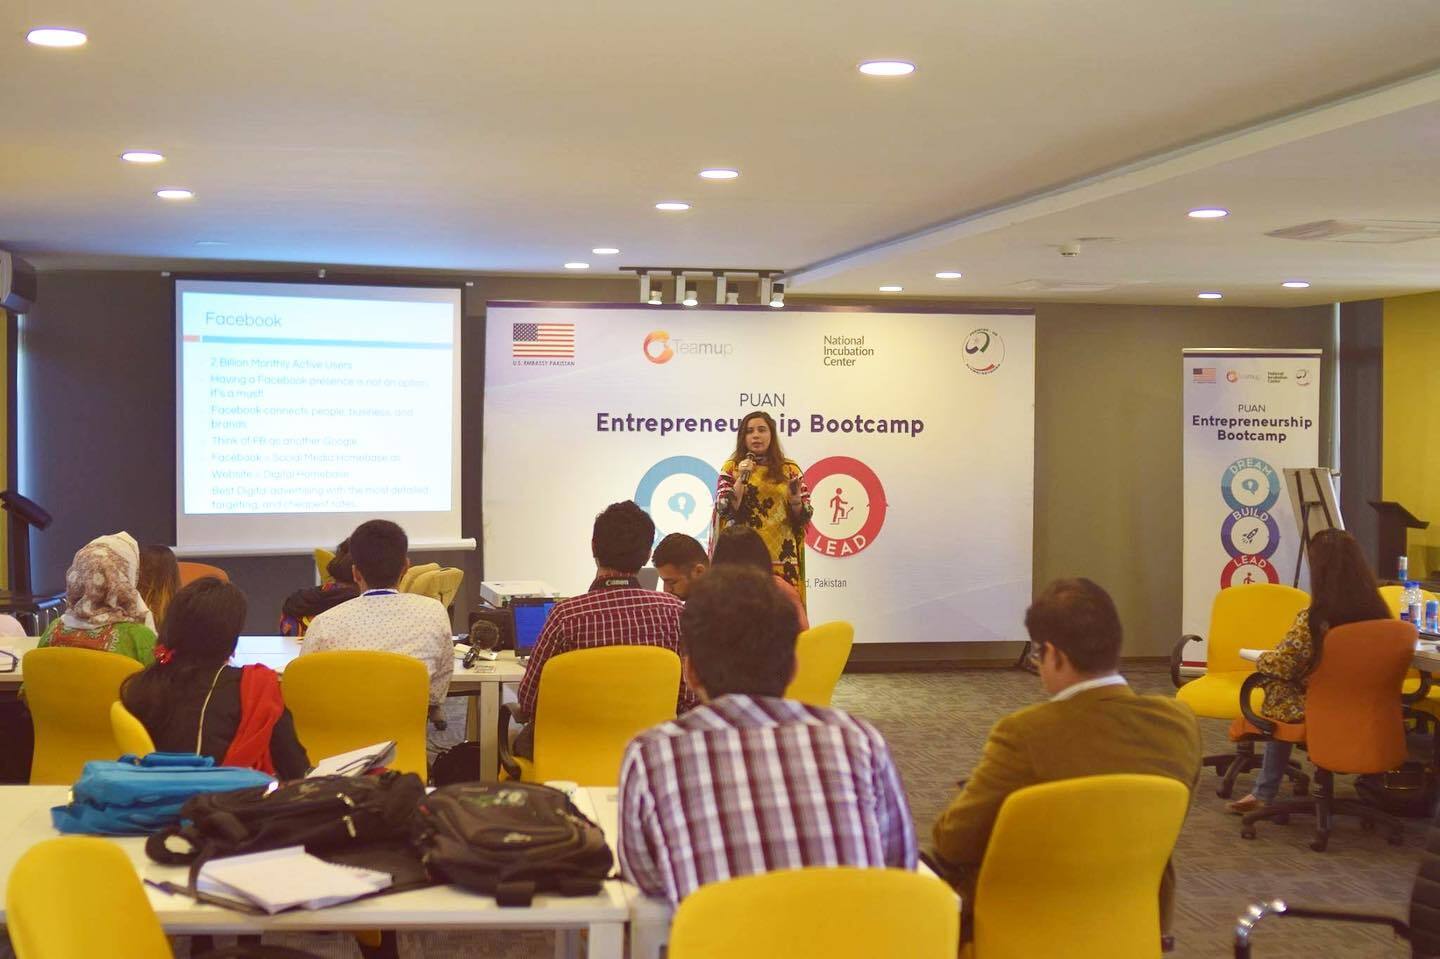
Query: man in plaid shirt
pixel 615 611
pixel 751 782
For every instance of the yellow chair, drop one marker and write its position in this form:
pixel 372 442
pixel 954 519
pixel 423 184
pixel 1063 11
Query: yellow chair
pixel 821 913
pixel 190 572
pixel 130 733
pixel 414 573
pixel 69 692
pixel 1092 851
pixel 1254 616
pixel 78 897
pixel 348 699
pixel 592 702
pixel 441 584
pixel 322 565
pixel 820 656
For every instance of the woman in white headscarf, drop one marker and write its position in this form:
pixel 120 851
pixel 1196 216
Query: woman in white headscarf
pixel 105 610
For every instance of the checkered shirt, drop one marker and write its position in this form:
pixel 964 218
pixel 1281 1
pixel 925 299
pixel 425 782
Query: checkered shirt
pixel 605 616
pixel 745 785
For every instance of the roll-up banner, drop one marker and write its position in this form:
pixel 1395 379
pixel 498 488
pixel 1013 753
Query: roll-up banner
pixel 1249 415
pixel 915 432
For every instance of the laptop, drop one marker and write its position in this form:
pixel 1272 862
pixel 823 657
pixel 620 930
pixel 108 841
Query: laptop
pixel 530 615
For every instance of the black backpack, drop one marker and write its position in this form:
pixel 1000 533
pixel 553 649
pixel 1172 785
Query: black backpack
pixel 511 840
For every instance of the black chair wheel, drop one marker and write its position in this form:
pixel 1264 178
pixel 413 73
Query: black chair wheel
pixel 1319 843
pixel 1302 790
pixel 1247 832
pixel 1225 791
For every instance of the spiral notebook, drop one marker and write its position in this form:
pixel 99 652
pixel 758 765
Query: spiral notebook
pixel 281 879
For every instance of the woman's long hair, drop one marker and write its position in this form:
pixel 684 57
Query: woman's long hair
pixel 774 458
pixel 159 579
pixel 1342 588
pixel 197 638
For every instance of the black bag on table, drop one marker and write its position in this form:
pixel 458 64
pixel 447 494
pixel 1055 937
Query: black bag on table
pixel 511 840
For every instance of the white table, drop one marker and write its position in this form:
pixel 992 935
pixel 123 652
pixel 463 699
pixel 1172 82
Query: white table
pixel 1427 656
pixel 483 684
pixel 25 821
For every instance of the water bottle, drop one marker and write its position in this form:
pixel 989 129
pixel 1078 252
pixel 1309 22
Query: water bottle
pixel 1412 603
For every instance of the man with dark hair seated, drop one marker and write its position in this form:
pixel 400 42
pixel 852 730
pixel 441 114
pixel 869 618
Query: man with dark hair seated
pixel 615 611
pixel 752 782
pixel 680 560
pixel 1093 725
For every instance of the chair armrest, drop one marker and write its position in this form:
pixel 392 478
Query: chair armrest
pixel 507 759
pixel 1258 911
pixel 1177 656
pixel 1252 682
pixel 1422 691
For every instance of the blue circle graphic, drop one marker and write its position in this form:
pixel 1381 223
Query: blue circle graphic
pixel 1236 488
pixel 1250 546
pixel 672 466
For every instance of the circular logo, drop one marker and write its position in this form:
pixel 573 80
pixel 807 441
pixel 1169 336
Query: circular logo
pixel 662 353
pixel 677 493
pixel 1243 570
pixel 1250 532
pixel 1232 376
pixel 849 506
pixel 1250 483
pixel 984 351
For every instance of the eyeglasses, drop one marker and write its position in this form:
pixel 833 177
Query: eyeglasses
pixel 9 662
pixel 1037 652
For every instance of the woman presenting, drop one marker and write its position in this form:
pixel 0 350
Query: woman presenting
pixel 763 490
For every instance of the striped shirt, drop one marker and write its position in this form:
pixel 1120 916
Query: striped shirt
pixel 745 785
pixel 606 616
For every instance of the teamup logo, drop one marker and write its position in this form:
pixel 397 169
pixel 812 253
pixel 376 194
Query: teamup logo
pixel 659 347
pixel 984 351
pixel 1250 535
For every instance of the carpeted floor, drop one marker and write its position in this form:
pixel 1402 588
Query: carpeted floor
pixel 936 725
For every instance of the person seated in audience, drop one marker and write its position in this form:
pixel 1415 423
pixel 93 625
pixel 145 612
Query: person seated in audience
pixel 1342 590
pixel 680 560
pixel 382 618
pixel 192 701
pixel 311 601
pixel 749 781
pixel 1092 725
pixel 104 609
pixel 742 546
pixel 158 580
pixel 615 611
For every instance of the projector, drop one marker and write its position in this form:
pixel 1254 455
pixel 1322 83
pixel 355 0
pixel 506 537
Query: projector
pixel 502 592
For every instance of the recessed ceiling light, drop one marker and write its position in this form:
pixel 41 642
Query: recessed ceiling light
pixel 947 275
pixel 56 37
pixel 672 206
pixel 1208 296
pixel 605 251
pixel 720 174
pixel 174 194
pixel 892 289
pixel 1296 284
pixel 209 242
pixel 1208 213
pixel 577 266
pixel 141 156
pixel 887 68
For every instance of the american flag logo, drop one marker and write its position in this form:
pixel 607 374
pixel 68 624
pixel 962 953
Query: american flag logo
pixel 1204 374
pixel 550 341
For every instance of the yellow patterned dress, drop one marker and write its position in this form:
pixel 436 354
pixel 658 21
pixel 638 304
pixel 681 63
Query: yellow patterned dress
pixel 1285 668
pixel 765 508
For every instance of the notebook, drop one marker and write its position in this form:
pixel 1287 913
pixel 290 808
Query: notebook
pixel 281 879
pixel 356 762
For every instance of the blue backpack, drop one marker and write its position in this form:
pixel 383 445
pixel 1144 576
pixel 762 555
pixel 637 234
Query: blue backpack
pixel 138 795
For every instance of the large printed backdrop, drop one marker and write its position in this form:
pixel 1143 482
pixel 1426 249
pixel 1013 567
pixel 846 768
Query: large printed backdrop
pixel 915 431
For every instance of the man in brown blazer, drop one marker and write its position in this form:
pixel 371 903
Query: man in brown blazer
pixel 1092 725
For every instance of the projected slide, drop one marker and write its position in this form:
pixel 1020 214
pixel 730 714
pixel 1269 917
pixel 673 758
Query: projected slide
pixel 300 399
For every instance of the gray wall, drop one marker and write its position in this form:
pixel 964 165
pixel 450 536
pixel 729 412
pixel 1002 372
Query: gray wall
pixel 100 398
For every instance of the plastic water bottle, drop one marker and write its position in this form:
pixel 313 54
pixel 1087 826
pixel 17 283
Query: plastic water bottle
pixel 1412 604
pixel 1402 568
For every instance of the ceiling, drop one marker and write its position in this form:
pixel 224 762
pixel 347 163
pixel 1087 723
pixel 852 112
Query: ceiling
pixel 488 137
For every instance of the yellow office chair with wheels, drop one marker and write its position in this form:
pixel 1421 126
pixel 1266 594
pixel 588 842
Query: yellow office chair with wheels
pixel 413 573
pixel 1253 616
pixel 69 692
pixel 130 733
pixel 1093 851
pixel 820 656
pixel 820 913
pixel 349 699
pixel 592 702
pixel 441 584
pixel 323 558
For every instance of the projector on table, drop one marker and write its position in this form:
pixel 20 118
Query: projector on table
pixel 502 592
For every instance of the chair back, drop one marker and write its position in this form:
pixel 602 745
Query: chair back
pixel 843 912
pixel 413 573
pixel 820 656
pixel 1353 714
pixel 77 897
pixel 1089 855
pixel 349 699
pixel 190 572
pixel 441 584
pixel 130 733
pixel 1252 616
pixel 69 692
pixel 592 702
pixel 323 557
